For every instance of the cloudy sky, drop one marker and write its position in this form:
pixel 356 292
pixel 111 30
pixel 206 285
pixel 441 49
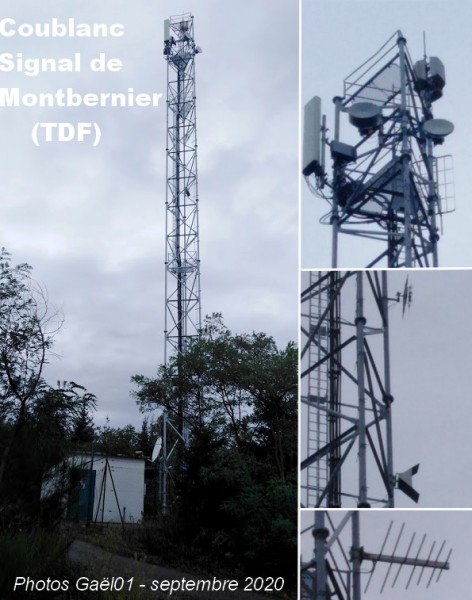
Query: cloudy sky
pixel 91 220
pixel 337 37
pixel 430 374
pixel 453 527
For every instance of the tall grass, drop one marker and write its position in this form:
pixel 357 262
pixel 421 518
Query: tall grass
pixel 37 555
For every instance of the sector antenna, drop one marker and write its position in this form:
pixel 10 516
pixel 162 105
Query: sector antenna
pixel 387 185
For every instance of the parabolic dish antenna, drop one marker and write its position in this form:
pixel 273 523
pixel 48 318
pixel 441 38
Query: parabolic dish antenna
pixel 437 129
pixel 157 449
pixel 365 115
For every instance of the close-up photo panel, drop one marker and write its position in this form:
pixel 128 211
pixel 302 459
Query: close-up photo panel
pixel 384 307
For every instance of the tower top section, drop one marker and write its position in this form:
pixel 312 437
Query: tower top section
pixel 387 183
pixel 179 42
pixel 183 314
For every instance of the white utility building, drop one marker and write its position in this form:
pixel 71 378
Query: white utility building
pixel 111 488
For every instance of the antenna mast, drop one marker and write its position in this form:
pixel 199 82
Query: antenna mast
pixel 182 262
pixel 182 255
pixel 386 184
pixel 346 392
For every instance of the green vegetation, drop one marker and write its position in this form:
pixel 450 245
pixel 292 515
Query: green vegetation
pixel 232 499
pixel 233 486
pixel 37 555
pixel 40 424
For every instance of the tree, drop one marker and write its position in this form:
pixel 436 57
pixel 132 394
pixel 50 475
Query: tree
pixel 241 385
pixel 234 483
pixel 83 429
pixel 126 441
pixel 27 329
pixel 37 452
pixel 116 440
pixel 40 423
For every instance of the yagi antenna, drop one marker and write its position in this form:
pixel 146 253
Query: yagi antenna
pixel 337 573
pixel 414 558
pixel 405 297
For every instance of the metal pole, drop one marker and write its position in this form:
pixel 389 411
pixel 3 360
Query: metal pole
pixel 320 533
pixel 166 255
pixel 405 155
pixel 388 398
pixel 177 214
pixel 164 462
pixel 361 423
pixel 335 211
pixel 432 203
pixel 104 483
pixel 91 489
pixel 334 495
pixel 356 557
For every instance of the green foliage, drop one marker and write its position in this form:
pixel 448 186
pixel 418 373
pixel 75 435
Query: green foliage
pixel 83 428
pixel 38 555
pixel 241 386
pixel 27 328
pixel 126 441
pixel 263 528
pixel 233 486
pixel 36 451
pixel 40 424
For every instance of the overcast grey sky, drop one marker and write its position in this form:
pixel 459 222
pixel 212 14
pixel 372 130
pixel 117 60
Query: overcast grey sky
pixel 430 374
pixel 91 220
pixel 455 527
pixel 338 37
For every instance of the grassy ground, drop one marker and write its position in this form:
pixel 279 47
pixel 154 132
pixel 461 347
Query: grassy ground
pixel 44 555
pixel 36 555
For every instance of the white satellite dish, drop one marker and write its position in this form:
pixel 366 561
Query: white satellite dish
pixel 438 129
pixel 157 449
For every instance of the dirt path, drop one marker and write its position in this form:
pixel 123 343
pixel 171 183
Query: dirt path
pixel 100 564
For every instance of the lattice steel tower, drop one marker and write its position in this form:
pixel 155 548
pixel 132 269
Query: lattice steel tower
pixel 346 393
pixel 182 258
pixel 182 286
pixel 386 184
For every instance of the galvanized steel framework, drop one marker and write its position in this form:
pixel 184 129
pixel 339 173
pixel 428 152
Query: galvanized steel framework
pixel 183 310
pixel 346 396
pixel 182 282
